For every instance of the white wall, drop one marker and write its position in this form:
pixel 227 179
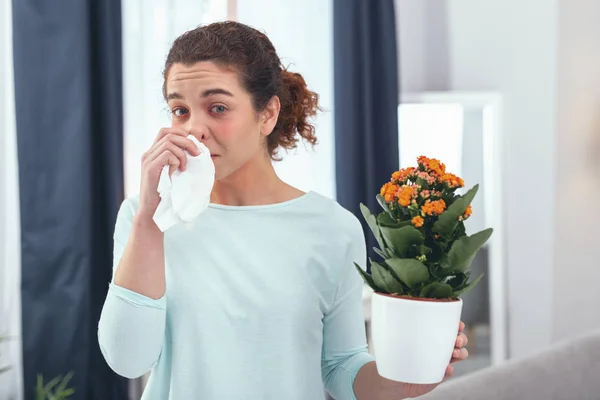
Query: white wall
pixel 302 34
pixel 577 216
pixel 11 382
pixel 507 46
pixel 149 28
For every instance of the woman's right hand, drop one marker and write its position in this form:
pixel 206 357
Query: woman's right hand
pixel 168 149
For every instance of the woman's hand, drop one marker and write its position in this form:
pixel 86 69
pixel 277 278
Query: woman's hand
pixel 460 352
pixel 168 149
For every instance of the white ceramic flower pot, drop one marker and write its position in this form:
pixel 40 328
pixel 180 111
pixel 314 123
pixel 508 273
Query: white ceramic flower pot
pixel 413 340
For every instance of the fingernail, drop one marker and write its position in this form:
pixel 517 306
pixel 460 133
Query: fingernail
pixel 455 353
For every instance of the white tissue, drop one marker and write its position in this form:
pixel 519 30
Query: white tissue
pixel 185 194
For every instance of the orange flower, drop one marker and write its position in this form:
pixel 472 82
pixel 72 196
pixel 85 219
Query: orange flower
pixel 437 167
pixel 423 160
pixel 432 164
pixel 403 174
pixel 383 189
pixel 417 221
pixel 405 195
pixel 388 191
pixel 435 207
pixel 452 180
pixel 468 212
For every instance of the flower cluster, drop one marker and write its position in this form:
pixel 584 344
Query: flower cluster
pixel 420 194
pixel 421 238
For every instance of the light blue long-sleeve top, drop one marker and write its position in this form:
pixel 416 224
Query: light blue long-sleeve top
pixel 262 302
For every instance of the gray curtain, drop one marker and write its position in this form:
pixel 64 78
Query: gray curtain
pixel 366 102
pixel 69 113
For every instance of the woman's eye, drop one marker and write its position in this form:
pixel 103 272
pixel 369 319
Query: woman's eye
pixel 219 109
pixel 179 112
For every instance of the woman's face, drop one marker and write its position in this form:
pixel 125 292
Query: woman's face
pixel 209 102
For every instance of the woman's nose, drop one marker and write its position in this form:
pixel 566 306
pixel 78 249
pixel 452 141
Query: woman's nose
pixel 197 126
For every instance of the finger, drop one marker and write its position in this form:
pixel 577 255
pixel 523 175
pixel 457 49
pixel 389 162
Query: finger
pixel 183 142
pixel 461 340
pixel 449 372
pixel 168 158
pixel 171 148
pixel 459 355
pixel 174 130
pixel 461 326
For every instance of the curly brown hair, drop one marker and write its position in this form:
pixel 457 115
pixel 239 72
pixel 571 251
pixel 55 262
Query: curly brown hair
pixel 252 55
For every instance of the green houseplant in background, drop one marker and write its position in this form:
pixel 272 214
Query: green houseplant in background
pixel 424 268
pixel 56 389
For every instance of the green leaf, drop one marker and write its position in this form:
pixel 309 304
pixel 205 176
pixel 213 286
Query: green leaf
pixel 468 287
pixel 65 394
pixel 384 219
pixel 458 281
pixel 465 248
pixel 372 222
pixel 50 385
pixel 379 252
pixel 437 253
pixel 423 183
pixel 384 205
pixel 460 230
pixel 448 220
pixel 390 253
pixel 40 393
pixel 64 382
pixel 402 239
pixel 437 290
pixel 441 271
pixel 367 278
pixel 383 278
pixel 424 250
pixel 410 271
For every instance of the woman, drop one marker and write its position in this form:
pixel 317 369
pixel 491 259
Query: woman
pixel 259 298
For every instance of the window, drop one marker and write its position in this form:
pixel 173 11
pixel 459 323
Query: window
pixel 433 130
pixel 149 28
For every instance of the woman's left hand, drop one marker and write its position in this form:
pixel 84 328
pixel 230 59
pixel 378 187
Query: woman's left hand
pixel 460 353
pixel 409 390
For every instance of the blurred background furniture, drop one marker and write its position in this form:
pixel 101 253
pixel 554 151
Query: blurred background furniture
pixel 567 370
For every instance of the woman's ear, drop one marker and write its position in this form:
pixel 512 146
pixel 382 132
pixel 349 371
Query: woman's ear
pixel 269 116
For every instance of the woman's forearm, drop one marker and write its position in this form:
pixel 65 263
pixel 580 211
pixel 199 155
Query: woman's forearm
pixel 142 267
pixel 369 385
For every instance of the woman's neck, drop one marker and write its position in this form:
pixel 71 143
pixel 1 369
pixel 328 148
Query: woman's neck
pixel 255 183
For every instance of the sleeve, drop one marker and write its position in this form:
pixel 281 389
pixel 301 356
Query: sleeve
pixel 344 337
pixel 132 326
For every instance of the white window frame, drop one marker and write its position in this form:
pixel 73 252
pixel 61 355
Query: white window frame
pixel 11 382
pixel 494 164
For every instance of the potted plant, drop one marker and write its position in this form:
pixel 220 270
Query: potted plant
pixel 56 389
pixel 424 268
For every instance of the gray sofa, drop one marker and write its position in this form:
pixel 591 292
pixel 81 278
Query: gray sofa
pixel 569 370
